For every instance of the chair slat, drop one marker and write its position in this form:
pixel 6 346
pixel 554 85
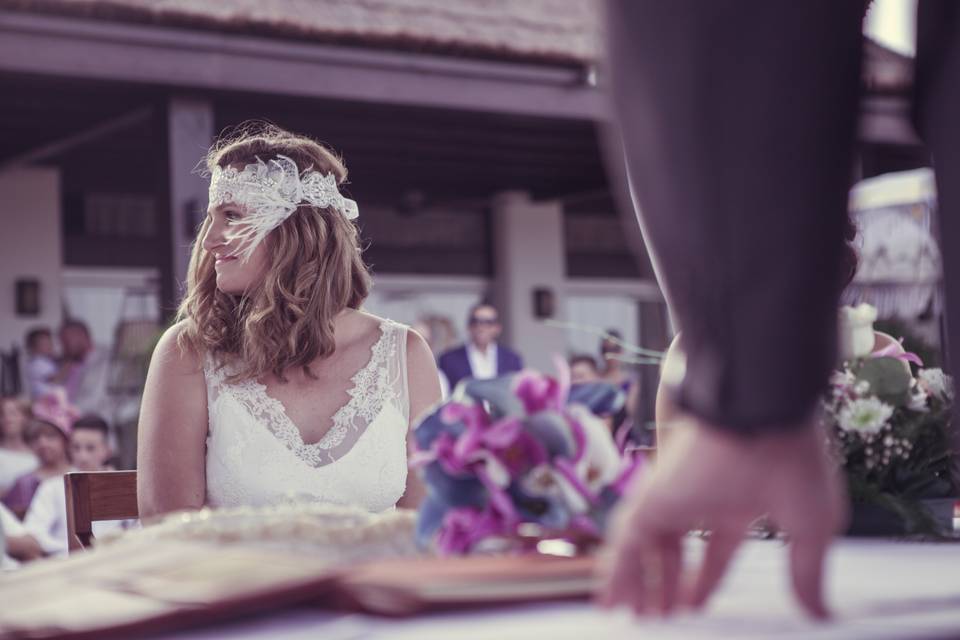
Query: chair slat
pixel 95 496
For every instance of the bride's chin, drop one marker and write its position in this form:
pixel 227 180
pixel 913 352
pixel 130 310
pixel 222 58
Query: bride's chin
pixel 225 286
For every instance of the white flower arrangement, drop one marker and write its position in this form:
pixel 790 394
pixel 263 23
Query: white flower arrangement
pixel 936 383
pixel 864 415
pixel 890 431
pixel 855 331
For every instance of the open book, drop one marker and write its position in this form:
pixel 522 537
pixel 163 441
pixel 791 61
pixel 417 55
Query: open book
pixel 122 590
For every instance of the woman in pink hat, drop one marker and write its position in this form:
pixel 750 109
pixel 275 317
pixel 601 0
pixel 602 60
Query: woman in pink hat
pixel 48 436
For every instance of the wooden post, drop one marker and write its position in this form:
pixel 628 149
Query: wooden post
pixel 190 125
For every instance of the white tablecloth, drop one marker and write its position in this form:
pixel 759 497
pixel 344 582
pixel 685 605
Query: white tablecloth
pixel 877 590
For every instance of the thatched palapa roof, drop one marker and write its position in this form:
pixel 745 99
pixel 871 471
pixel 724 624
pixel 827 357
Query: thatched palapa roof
pixel 551 31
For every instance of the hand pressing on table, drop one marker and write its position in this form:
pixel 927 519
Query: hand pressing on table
pixel 709 478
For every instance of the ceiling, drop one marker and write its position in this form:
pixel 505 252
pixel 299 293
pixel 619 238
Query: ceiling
pixel 109 133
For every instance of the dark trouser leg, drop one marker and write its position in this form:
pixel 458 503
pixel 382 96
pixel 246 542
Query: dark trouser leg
pixel 738 124
pixel 938 113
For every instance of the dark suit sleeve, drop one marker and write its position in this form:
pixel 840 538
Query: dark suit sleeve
pixel 737 120
pixel 509 360
pixel 443 363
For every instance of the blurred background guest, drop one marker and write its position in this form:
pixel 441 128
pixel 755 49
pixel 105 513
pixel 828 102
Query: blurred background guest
pixel 42 366
pixel 90 448
pixel 614 370
pixel 16 545
pixel 481 358
pixel 438 330
pixel 48 435
pixel 617 373
pixel 46 519
pixel 16 456
pixel 87 368
pixel 583 368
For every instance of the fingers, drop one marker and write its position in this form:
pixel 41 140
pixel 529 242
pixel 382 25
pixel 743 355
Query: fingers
pixel 807 556
pixel 623 576
pixel 670 551
pixel 642 571
pixel 721 547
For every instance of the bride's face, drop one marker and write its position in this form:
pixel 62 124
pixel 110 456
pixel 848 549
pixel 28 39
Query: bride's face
pixel 234 274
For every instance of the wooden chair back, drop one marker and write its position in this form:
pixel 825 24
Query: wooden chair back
pixel 93 496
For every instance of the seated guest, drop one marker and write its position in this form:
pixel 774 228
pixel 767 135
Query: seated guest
pixel 42 366
pixel 16 457
pixel 481 358
pixel 583 368
pixel 46 519
pixel 84 369
pixel 48 436
pixel 19 546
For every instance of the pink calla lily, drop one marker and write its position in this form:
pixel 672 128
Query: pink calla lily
pixel 546 461
pixel 895 350
pixel 539 393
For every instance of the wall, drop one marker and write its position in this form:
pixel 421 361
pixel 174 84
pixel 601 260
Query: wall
pixel 30 247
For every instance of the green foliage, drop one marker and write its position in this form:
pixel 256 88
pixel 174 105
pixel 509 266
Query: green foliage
pixel 889 380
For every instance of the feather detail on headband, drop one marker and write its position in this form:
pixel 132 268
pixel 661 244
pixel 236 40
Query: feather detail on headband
pixel 269 192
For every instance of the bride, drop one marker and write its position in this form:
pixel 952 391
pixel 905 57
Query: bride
pixel 273 385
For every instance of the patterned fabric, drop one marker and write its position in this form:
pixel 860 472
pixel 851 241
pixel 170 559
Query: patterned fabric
pixel 256 455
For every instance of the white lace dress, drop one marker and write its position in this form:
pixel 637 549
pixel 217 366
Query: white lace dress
pixel 257 457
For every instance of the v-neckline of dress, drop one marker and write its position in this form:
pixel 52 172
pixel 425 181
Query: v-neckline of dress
pixel 286 430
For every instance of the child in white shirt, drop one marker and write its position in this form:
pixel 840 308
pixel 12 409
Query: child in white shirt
pixel 46 520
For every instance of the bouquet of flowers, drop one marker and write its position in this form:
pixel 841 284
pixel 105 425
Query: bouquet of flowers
pixel 890 430
pixel 519 458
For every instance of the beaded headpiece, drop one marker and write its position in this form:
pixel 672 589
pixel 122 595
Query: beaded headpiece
pixel 269 193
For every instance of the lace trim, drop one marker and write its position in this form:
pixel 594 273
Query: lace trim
pixel 370 391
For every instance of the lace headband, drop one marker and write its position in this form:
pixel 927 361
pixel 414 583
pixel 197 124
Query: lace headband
pixel 270 192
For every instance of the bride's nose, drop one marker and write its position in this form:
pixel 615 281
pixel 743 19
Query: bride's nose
pixel 215 235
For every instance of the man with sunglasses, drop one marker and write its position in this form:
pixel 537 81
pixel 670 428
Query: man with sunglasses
pixel 481 357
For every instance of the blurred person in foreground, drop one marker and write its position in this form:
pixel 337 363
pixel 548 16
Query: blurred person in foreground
pixel 738 123
pixel 481 357
pixel 667 411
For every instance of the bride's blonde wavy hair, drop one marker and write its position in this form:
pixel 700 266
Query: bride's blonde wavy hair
pixel 314 271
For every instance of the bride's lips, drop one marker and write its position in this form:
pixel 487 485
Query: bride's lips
pixel 220 260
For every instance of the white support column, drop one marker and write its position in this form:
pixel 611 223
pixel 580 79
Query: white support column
pixel 30 248
pixel 190 132
pixel 529 255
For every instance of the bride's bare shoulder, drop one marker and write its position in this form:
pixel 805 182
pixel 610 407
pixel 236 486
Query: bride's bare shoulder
pixel 174 352
pixel 365 322
pixel 358 329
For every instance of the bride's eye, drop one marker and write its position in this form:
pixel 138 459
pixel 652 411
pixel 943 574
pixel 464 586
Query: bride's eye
pixel 232 215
